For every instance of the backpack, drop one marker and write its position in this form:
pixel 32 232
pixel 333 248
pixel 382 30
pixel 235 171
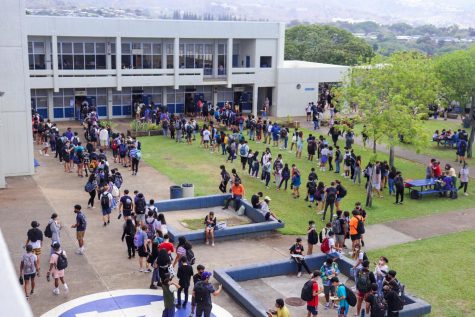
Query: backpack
pixel 201 292
pixel 140 206
pixel 226 177
pixel 189 129
pixel 138 155
pixel 115 146
pixel 62 262
pixel 150 228
pixel 463 146
pixel 341 192
pixel 190 256
pixel 363 283
pixel 331 196
pixel 350 296
pixel 48 233
pixel 105 201
pixel 118 180
pixel 379 306
pixel 122 149
pixel 325 246
pixel 307 291
pixel 75 141
pixel 242 150
pixel 138 239
pixel 89 187
pixel 336 227
pixel 360 226
pixel 29 266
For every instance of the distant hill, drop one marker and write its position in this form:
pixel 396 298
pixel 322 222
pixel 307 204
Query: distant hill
pixel 437 12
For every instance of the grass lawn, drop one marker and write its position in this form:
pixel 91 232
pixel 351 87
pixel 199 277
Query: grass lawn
pixel 192 164
pixel 438 270
pixel 431 148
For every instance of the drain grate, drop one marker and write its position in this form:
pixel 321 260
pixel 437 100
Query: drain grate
pixel 295 301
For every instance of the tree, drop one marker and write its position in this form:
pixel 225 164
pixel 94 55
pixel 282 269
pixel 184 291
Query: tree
pixel 457 72
pixel 325 44
pixel 393 95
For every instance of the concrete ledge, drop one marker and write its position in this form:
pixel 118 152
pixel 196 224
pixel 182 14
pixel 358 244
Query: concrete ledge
pixel 259 226
pixel 231 277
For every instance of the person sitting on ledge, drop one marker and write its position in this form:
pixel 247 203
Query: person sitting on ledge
pixel 281 311
pixel 265 210
pixel 210 224
pixel 237 191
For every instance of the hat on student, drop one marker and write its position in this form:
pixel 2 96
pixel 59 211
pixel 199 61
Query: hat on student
pixel 267 198
pixel 206 275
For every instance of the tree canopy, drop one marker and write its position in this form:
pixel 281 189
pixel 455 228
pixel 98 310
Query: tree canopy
pixel 392 95
pixel 325 44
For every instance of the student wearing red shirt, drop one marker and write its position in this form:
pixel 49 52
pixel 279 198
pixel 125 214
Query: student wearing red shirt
pixel 167 245
pixel 312 306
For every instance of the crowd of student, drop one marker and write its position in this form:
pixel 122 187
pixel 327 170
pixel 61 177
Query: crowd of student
pixel 145 230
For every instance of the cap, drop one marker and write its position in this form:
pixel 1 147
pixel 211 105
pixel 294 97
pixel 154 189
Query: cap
pixel 35 224
pixel 267 198
pixel 205 275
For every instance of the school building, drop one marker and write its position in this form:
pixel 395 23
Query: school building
pixel 53 64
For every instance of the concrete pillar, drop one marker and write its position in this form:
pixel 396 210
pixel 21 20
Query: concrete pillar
pixel 50 105
pixel 164 96
pixel 118 62
pixel 109 103
pixel 164 54
pixel 215 95
pixel 176 61
pixel 108 55
pixel 54 43
pixel 229 63
pixel 255 90
pixel 280 46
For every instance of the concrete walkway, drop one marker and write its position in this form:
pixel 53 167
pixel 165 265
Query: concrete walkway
pixel 105 265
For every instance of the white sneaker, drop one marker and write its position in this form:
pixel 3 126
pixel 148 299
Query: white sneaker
pixel 41 152
pixel 46 154
pixel 141 270
pixel 79 252
pixel 56 291
pixel 299 274
pixel 66 288
pixel 212 244
pixel 466 194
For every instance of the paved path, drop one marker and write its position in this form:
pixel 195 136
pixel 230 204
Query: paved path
pixel 101 269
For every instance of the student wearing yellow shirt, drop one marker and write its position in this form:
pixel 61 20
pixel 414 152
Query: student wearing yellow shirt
pixel 281 311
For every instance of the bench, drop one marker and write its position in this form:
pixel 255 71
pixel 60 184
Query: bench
pixel 417 194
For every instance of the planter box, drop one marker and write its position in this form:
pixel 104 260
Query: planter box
pixel 155 132
pixel 136 134
pixel 290 125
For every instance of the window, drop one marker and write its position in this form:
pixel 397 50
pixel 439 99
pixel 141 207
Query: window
pixel 82 55
pixel 64 98
pixel 39 99
pixel 36 55
pixel 199 50
pixel 190 56
pixel 169 56
pixel 113 55
pixel 208 59
pixel 221 59
pixel 181 58
pixel 266 61
pixel 157 56
pixel 126 59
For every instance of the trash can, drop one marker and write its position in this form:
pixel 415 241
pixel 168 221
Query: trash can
pixel 176 192
pixel 188 190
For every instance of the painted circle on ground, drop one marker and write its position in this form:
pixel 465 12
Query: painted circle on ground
pixel 128 302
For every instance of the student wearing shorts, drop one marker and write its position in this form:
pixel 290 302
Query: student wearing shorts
pixel 341 294
pixel 28 269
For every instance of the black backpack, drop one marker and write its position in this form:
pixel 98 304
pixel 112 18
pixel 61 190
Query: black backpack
pixel 350 296
pixel 360 226
pixel 140 206
pixel 105 201
pixel 190 256
pixel 363 282
pixel 336 227
pixel 379 306
pixel 201 292
pixel 48 233
pixel 62 262
pixel 307 291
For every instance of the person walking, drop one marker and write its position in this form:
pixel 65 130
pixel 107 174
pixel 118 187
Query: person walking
pixel 184 274
pixel 80 226
pixel 312 305
pixel 57 264
pixel 225 177
pixel 202 292
pixel 330 198
pixel 128 234
pixel 29 268
pixel 35 240
pixel 106 205
pixel 312 236
pixel 91 189
pixel 126 205
pixel 135 155
pixel 53 230
pixel 168 298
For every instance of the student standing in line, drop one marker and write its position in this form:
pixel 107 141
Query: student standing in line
pixel 184 274
pixel 35 240
pixel 80 226
pixel 29 268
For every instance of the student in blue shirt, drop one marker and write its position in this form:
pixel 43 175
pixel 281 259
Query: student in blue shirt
pixel 341 294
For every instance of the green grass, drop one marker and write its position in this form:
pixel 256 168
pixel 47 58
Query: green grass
pixel 430 148
pixel 192 164
pixel 439 270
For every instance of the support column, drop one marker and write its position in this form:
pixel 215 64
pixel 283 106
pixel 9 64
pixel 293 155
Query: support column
pixel 54 43
pixel 229 62
pixel 176 61
pixel 48 53
pixel 215 59
pixel 255 90
pixel 164 97
pixel 50 105
pixel 109 103
pixel 215 95
pixel 164 54
pixel 118 62
pixel 108 55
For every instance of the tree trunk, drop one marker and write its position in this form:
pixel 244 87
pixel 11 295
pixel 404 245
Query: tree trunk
pixel 374 146
pixel 472 124
pixel 391 156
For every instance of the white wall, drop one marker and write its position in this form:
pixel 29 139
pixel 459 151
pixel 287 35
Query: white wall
pixel 16 157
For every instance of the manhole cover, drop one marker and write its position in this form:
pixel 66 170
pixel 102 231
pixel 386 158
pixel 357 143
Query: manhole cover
pixel 295 301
